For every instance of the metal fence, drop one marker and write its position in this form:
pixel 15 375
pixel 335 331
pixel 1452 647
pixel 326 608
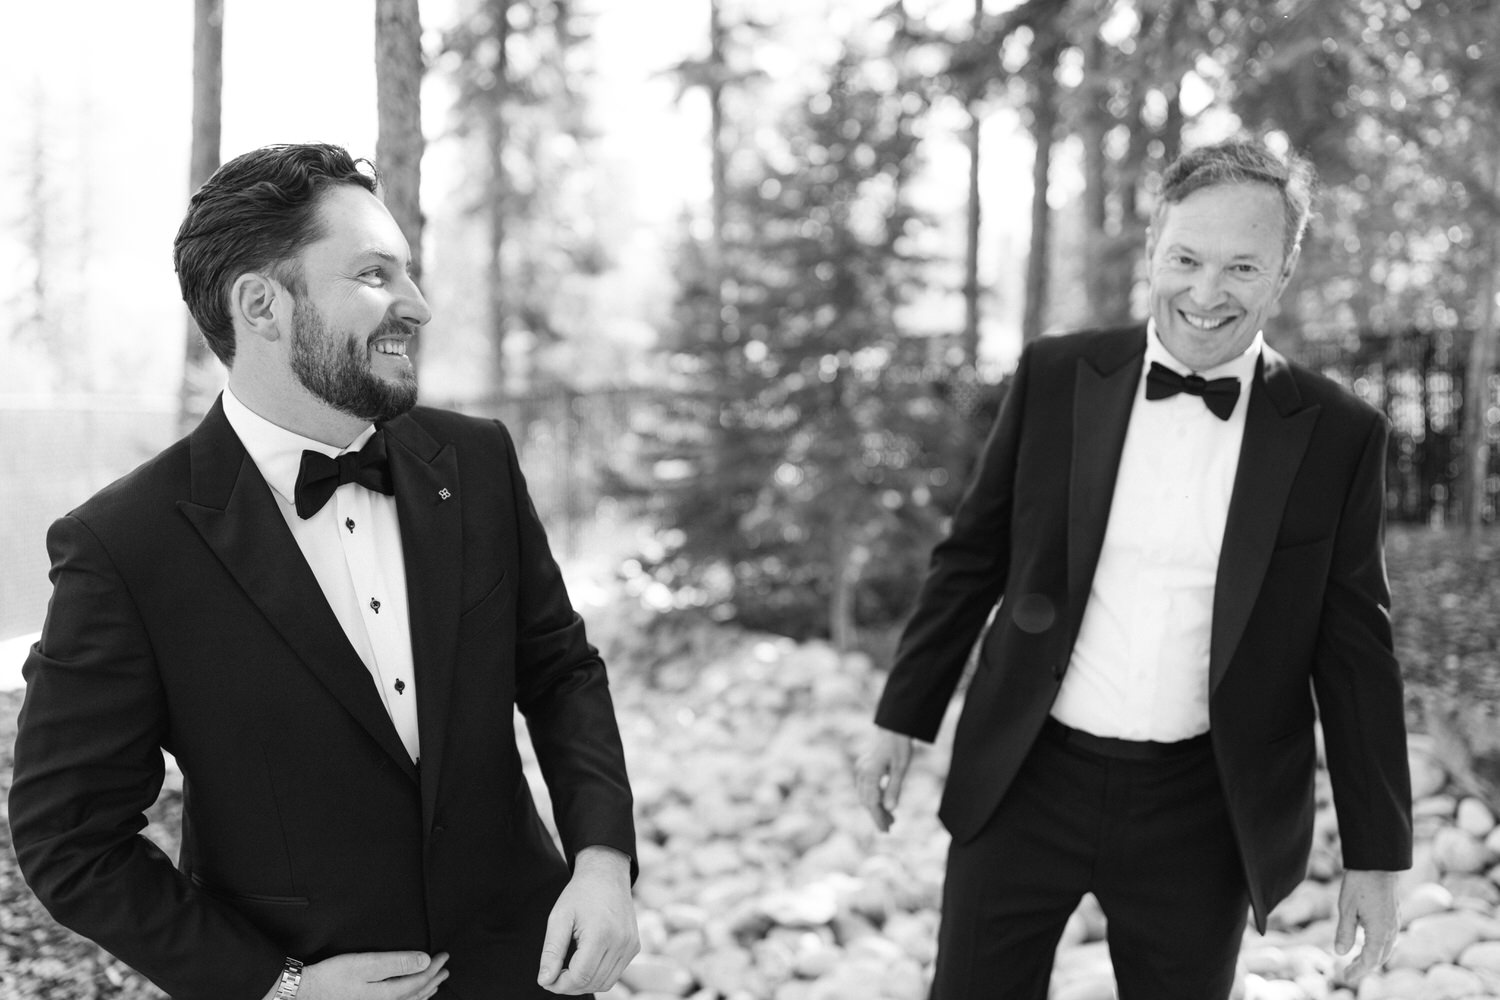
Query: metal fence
pixel 1419 379
pixel 576 446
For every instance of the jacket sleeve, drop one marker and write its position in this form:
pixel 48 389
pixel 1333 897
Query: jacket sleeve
pixel 965 578
pixel 563 691
pixel 1358 682
pixel 88 763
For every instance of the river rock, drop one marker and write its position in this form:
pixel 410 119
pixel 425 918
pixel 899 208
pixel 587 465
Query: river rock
pixel 1438 938
pixel 1308 902
pixel 726 970
pixel 915 934
pixel 1450 982
pixel 1454 850
pixel 1429 897
pixel 1440 806
pixel 657 974
pixel 1257 988
pixel 684 947
pixel 809 906
pixel 851 979
pixel 1482 956
pixel 1428 777
pixel 1472 891
pixel 1475 817
pixel 1397 984
pixel 1090 986
pixel 683 916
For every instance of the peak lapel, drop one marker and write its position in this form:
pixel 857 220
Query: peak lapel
pixel 1277 431
pixel 1104 392
pixel 429 503
pixel 235 512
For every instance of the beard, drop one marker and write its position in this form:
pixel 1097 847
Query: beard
pixel 336 368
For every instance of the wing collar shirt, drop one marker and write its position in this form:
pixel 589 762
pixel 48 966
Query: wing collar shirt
pixel 1139 670
pixel 353 547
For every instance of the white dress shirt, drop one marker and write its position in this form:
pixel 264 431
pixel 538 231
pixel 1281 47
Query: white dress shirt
pixel 1139 669
pixel 353 547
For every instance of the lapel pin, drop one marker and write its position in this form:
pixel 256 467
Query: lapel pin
pixel 444 494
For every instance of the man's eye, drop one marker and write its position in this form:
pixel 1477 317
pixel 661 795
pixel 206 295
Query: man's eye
pixel 374 276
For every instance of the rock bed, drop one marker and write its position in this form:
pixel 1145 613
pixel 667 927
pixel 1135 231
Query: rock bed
pixel 762 879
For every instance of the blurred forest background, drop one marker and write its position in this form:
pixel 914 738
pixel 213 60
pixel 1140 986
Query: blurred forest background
pixel 746 278
pixel 752 273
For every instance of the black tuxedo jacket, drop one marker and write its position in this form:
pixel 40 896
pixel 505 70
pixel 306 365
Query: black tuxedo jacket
pixel 185 618
pixel 1300 620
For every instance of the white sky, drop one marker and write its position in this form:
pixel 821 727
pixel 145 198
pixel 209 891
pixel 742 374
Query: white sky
pixel 109 86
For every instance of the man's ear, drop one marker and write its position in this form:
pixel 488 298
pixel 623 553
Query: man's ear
pixel 255 303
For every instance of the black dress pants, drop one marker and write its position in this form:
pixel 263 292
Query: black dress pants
pixel 1150 838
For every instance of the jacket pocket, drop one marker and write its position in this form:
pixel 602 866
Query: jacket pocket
pixel 252 898
pixel 483 611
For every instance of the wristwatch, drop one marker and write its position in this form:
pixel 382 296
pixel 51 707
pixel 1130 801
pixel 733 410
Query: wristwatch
pixel 291 979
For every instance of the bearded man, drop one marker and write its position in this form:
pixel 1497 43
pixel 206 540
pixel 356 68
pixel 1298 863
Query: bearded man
pixel 326 603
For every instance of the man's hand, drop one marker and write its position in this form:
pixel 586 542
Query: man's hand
pixel 879 772
pixel 372 975
pixel 1367 899
pixel 596 912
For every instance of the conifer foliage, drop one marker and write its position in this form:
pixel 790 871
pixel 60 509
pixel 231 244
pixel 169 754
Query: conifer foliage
pixel 804 458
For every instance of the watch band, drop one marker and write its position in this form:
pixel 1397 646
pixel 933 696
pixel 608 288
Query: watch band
pixel 291 979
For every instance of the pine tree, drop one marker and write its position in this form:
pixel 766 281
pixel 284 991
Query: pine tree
pixel 806 448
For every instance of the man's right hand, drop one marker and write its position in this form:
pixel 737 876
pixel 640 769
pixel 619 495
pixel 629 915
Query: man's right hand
pixel 879 772
pixel 372 975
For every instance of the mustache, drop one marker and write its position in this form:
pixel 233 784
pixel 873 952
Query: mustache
pixel 392 326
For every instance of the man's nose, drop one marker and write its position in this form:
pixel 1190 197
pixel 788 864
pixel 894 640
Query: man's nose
pixel 1207 288
pixel 411 306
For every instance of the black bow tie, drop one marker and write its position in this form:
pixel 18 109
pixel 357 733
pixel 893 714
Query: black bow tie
pixel 320 475
pixel 1219 395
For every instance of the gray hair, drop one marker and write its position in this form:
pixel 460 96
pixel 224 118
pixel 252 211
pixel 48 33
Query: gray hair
pixel 1243 161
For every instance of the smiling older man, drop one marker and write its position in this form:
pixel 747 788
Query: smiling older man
pixel 1184 531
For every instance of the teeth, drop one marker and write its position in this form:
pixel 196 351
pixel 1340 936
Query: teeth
pixel 391 347
pixel 1204 323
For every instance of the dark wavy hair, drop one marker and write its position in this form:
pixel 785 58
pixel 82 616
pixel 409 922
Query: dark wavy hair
pixel 255 213
pixel 1245 161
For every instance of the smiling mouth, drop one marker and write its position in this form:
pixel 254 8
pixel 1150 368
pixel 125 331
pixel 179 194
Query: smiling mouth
pixel 1206 323
pixel 394 348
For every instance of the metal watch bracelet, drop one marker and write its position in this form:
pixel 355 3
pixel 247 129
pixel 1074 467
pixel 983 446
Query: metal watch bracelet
pixel 291 979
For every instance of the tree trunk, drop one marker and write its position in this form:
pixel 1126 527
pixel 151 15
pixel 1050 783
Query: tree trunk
pixel 196 388
pixel 499 319
pixel 1098 248
pixel 718 165
pixel 970 342
pixel 398 94
pixel 1043 123
pixel 1476 392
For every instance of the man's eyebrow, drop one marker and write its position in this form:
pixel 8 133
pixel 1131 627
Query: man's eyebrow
pixel 382 254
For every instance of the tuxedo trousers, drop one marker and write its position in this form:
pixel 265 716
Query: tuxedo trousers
pixel 1150 838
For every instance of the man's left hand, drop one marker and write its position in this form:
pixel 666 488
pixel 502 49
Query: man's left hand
pixel 1367 899
pixel 595 911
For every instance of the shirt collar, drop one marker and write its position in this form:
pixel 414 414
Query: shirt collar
pixel 276 451
pixel 1241 367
